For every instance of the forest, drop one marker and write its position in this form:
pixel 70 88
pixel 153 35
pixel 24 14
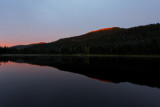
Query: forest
pixel 141 40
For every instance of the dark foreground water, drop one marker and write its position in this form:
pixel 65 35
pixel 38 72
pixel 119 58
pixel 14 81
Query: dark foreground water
pixel 37 83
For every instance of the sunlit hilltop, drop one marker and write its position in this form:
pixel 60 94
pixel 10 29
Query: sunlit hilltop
pixel 104 29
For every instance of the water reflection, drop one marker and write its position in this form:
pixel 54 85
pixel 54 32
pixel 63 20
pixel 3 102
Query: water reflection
pixel 24 83
pixel 142 71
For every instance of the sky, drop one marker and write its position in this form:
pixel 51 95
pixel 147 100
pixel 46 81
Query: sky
pixel 32 21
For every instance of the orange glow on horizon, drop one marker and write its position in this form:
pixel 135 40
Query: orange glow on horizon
pixel 10 45
pixel 5 45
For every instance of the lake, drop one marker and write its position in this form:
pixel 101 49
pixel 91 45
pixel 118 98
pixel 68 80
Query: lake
pixel 79 82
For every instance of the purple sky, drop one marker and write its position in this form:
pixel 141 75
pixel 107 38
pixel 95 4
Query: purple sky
pixel 33 21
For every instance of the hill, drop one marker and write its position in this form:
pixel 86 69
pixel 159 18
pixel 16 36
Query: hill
pixel 141 40
pixel 135 40
pixel 19 47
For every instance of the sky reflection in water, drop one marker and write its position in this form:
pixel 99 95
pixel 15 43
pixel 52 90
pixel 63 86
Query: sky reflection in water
pixel 26 85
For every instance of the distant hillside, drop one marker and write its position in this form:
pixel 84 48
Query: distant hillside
pixel 19 47
pixel 136 40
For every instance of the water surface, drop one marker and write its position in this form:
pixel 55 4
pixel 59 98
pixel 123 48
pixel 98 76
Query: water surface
pixel 37 85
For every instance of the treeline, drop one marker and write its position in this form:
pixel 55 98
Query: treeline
pixel 136 40
pixel 8 50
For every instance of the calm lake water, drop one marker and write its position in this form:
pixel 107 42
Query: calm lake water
pixel 25 84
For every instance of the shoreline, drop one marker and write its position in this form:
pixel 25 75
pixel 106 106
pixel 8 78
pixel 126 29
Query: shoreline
pixel 78 55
